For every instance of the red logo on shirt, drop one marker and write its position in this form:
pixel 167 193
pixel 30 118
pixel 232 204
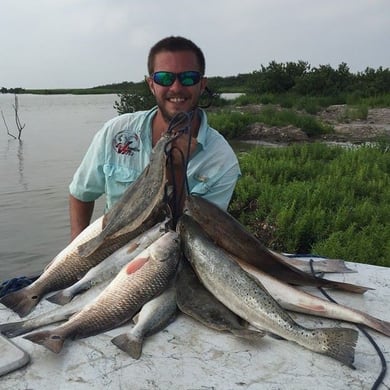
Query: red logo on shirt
pixel 126 143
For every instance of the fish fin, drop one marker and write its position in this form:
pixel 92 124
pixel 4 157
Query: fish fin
pixel 248 333
pixel 135 318
pixel 13 329
pixel 276 336
pixel 105 220
pixel 374 323
pixel 21 302
pixel 132 247
pixel 48 339
pixel 136 264
pixel 60 298
pixel 88 248
pixel 339 343
pixel 357 289
pixel 130 344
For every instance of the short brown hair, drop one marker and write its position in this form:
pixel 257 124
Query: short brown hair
pixel 174 44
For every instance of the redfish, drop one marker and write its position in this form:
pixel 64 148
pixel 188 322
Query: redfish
pixel 137 283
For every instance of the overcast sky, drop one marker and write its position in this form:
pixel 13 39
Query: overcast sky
pixel 85 43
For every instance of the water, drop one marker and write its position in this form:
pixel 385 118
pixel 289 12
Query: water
pixel 35 174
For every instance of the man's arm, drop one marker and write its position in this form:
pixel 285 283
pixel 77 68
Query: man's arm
pixel 80 215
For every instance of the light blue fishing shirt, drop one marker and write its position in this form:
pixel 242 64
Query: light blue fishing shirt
pixel 121 150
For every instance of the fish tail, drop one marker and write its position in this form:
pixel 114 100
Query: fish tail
pixel 47 338
pixel 248 333
pixel 13 329
pixel 22 301
pixel 129 343
pixel 374 323
pixel 89 247
pixel 338 343
pixel 344 286
pixel 61 298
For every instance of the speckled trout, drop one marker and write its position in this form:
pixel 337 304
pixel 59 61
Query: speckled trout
pixel 245 296
pixel 138 282
pixel 140 207
pixel 232 236
pixel 197 302
pixel 294 299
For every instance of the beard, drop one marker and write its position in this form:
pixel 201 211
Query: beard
pixel 169 115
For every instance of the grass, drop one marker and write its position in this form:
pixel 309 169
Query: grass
pixel 233 123
pixel 318 199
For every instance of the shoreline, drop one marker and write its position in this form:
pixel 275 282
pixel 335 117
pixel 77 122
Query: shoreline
pixel 375 127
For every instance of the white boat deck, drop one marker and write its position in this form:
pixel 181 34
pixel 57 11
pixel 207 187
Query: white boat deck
pixel 187 355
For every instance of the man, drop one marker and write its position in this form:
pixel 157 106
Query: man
pixel 121 149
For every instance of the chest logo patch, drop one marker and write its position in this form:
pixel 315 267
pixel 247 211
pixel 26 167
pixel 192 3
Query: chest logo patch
pixel 126 143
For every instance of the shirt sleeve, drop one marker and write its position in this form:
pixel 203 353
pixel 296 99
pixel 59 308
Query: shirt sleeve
pixel 220 193
pixel 88 182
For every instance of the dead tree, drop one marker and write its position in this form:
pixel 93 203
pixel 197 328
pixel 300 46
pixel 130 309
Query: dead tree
pixel 6 126
pixel 19 126
pixel 17 120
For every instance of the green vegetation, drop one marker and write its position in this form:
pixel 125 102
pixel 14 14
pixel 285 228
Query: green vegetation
pixel 314 198
pixel 234 124
pixel 131 102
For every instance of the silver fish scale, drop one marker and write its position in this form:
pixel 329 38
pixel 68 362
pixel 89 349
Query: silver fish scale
pixel 250 292
pixel 59 276
pixel 125 295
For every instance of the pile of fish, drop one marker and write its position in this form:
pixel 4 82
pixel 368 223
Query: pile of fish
pixel 132 264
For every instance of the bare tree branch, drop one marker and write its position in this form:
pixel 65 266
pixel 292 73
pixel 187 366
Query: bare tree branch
pixel 6 126
pixel 17 120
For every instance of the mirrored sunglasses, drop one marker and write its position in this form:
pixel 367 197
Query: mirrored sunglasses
pixel 187 78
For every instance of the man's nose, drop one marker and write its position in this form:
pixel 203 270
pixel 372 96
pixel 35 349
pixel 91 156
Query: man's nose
pixel 176 85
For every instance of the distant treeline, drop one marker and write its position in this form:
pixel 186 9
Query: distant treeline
pixel 293 77
pixel 301 79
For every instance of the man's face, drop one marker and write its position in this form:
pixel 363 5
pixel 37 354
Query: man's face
pixel 176 98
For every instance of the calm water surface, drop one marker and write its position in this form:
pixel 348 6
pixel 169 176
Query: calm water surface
pixel 35 173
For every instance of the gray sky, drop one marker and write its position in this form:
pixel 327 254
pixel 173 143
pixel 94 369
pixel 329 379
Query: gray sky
pixel 85 43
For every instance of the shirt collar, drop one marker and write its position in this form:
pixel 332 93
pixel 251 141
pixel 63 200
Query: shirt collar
pixel 203 128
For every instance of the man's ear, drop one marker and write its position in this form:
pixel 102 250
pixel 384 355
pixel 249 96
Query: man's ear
pixel 203 84
pixel 149 81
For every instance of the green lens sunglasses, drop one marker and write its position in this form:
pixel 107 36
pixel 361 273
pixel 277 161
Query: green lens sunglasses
pixel 187 78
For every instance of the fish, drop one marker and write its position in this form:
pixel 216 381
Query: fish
pixel 63 271
pixel 57 314
pixel 197 302
pixel 109 267
pixel 154 316
pixel 231 235
pixel 137 282
pixel 140 206
pixel 294 299
pixel 247 297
